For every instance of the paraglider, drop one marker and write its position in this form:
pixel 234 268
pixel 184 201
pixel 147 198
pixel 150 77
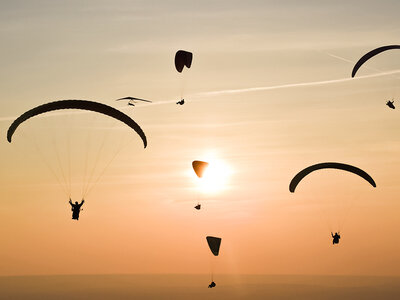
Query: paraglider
pixel 132 100
pixel 182 59
pixel 214 243
pixel 329 165
pixel 76 208
pixel 391 104
pixel 199 167
pixel 79 154
pixel 371 54
pixel 336 238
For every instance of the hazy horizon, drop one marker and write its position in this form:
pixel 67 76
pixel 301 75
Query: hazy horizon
pixel 182 287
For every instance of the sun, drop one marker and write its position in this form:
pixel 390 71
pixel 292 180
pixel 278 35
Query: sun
pixel 215 177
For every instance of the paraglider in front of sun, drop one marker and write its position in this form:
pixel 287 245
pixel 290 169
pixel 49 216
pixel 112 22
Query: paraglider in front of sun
pixel 215 177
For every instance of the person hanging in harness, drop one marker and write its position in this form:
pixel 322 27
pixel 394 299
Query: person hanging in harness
pixel 76 208
pixel 211 285
pixel 336 238
pixel 391 104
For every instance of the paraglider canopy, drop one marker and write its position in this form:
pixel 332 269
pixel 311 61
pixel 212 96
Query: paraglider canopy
pixel 183 59
pixel 214 243
pixel 329 165
pixel 76 104
pixel 371 54
pixel 199 167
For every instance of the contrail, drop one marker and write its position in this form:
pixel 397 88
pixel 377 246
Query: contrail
pixel 340 58
pixel 294 85
pixel 200 96
pixel 353 63
pixel 7 119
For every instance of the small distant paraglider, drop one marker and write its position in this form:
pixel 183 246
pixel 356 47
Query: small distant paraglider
pixel 199 167
pixel 214 243
pixel 391 104
pixel 183 59
pixel 132 100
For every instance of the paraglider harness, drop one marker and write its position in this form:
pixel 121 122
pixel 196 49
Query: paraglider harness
pixel 390 104
pixel 76 209
pixel 336 238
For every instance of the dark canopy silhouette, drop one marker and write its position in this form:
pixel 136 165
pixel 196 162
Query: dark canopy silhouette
pixel 183 59
pixel 329 165
pixel 77 104
pixel 371 54
pixel 199 167
pixel 214 243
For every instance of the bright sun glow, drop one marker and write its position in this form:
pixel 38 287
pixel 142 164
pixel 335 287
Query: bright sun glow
pixel 216 177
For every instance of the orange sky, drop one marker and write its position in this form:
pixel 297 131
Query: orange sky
pixel 139 217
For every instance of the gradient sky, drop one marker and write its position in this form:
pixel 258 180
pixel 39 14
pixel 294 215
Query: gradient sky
pixel 269 93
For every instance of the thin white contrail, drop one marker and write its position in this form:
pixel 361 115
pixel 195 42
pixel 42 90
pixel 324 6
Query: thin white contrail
pixel 200 96
pixel 340 58
pixel 294 85
pixel 2 119
pixel 353 63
